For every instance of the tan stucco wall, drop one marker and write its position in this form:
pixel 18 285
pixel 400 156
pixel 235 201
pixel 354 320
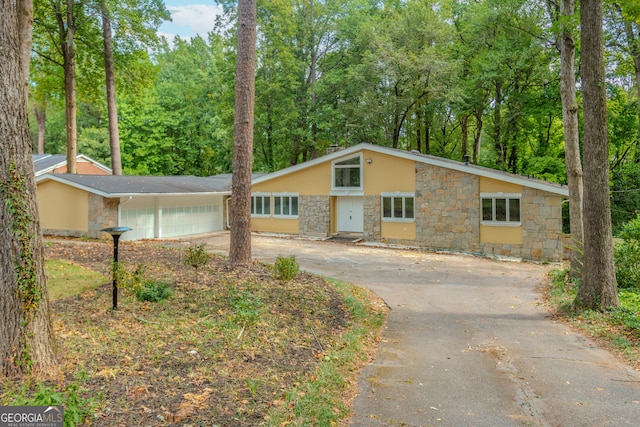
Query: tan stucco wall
pixel 62 207
pixel 497 234
pixel 398 230
pixel 387 174
pixel 310 181
pixel 275 225
pixel 488 185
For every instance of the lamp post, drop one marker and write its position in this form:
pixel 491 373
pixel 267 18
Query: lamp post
pixel 115 232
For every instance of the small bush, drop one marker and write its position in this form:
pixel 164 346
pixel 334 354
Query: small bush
pixel 153 291
pixel 77 407
pixel 627 255
pixel 197 257
pixel 286 268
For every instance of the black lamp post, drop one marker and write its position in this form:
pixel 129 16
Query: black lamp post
pixel 115 232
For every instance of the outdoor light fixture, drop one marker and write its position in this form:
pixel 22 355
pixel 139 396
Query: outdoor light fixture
pixel 369 161
pixel 115 232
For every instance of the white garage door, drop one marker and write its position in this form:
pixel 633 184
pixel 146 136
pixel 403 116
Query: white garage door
pixel 158 217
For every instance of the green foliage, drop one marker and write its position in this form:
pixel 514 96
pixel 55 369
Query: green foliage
pixel 246 307
pixel 77 406
pixel 625 195
pixel 628 313
pixel 197 257
pixel 15 196
pixel 627 255
pixel 136 282
pixel 286 268
pixel 153 291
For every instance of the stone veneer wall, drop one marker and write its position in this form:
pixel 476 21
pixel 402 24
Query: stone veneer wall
pixel 447 209
pixel 103 213
pixel 372 218
pixel 541 215
pixel 315 216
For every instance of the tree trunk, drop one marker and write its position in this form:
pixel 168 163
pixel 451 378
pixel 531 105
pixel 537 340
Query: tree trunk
pixel 66 29
pixel 240 244
pixel 571 139
pixel 598 287
pixel 25 27
pixel 41 119
pixel 112 109
pixel 464 135
pixel 477 135
pixel 26 334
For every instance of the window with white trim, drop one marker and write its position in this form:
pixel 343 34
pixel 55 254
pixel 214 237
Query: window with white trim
pixel 347 173
pixel 398 206
pixel 261 204
pixel 501 208
pixel 285 205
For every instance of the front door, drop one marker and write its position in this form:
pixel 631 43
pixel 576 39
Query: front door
pixel 350 215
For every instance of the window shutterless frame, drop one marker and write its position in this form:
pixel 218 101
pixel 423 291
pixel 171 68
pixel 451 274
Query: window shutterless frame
pixel 398 207
pixel 500 209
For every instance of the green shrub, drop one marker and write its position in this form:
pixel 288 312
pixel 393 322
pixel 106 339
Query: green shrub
pixel 627 255
pixel 286 268
pixel 77 407
pixel 246 307
pixel 153 291
pixel 197 257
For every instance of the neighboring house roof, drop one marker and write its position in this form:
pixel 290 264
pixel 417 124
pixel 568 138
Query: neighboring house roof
pixel 46 163
pixel 427 159
pixel 112 186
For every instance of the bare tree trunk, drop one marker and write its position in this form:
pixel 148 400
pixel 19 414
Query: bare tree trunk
pixel 240 244
pixel 571 140
pixel 477 135
pixel 464 131
pixel 26 334
pixel 41 120
pixel 66 29
pixel 598 287
pixel 112 109
pixel 25 27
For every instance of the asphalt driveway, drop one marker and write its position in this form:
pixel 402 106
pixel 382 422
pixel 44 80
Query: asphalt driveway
pixel 467 343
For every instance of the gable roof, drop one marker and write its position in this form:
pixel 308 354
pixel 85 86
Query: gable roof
pixel 112 186
pixel 45 163
pixel 427 159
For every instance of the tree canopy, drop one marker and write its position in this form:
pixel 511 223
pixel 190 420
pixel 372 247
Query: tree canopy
pixel 444 77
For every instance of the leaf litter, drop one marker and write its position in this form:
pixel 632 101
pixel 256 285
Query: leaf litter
pixel 220 351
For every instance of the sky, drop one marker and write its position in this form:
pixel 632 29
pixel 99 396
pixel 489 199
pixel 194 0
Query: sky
pixel 190 17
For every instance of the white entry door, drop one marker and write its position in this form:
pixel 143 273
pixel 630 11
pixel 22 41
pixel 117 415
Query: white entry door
pixel 350 214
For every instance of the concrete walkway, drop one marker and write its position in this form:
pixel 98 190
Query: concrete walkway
pixel 467 343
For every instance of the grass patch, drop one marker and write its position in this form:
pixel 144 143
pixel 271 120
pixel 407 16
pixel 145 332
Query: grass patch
pixel 239 348
pixel 617 329
pixel 65 278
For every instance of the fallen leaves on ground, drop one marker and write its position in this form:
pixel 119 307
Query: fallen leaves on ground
pixel 221 351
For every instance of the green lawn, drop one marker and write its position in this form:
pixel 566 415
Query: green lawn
pixel 65 279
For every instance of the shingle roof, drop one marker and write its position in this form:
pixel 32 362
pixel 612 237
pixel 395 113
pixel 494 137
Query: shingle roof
pixel 44 163
pixel 122 186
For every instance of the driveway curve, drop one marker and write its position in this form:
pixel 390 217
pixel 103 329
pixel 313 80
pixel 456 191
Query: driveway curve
pixel 468 342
